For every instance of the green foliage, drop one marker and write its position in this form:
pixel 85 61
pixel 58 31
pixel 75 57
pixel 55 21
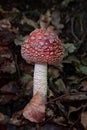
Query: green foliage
pixel 19 40
pixel 83 69
pixel 69 48
pixel 25 78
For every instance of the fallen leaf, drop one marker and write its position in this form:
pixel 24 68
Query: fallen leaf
pixel 68 48
pixel 35 109
pixel 73 114
pixel 25 78
pixel 82 69
pixel 5 23
pixel 11 87
pixel 7 63
pixel 53 72
pixel 45 19
pixel 19 40
pixel 54 126
pixel 60 120
pixel 84 85
pixel 29 22
pixel 59 85
pixel 3 118
pixel 84 60
pixel 84 119
pixel 74 129
pixel 66 2
pixel 56 21
pixel 6 37
pixel 7 97
pixel 17 119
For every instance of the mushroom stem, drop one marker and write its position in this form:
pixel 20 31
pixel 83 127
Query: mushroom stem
pixel 40 80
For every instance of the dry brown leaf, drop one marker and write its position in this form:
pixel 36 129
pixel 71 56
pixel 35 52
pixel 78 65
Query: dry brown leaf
pixel 29 86
pixel 7 63
pixel 17 119
pixel 5 98
pixel 11 87
pixel 45 19
pixel 84 119
pixel 60 86
pixel 6 37
pixel 35 109
pixel 5 23
pixel 9 67
pixel 3 118
pixel 74 129
pixel 53 72
pixel 84 85
pixel 60 121
pixel 56 21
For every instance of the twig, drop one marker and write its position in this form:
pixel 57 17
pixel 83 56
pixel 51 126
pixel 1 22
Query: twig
pixel 17 67
pixel 79 117
pixel 72 30
pixel 70 97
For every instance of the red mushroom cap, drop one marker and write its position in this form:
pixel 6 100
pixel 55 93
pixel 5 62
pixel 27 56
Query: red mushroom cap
pixel 42 46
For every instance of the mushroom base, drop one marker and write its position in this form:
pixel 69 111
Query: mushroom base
pixel 35 109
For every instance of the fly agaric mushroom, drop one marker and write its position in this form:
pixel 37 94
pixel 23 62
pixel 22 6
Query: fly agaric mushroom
pixel 41 47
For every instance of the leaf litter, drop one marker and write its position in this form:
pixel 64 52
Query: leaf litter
pixel 67 87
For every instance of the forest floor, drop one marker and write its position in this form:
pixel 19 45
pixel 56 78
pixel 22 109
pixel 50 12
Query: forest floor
pixel 66 107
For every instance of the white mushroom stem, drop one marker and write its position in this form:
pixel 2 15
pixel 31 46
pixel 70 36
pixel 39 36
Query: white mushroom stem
pixel 40 80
